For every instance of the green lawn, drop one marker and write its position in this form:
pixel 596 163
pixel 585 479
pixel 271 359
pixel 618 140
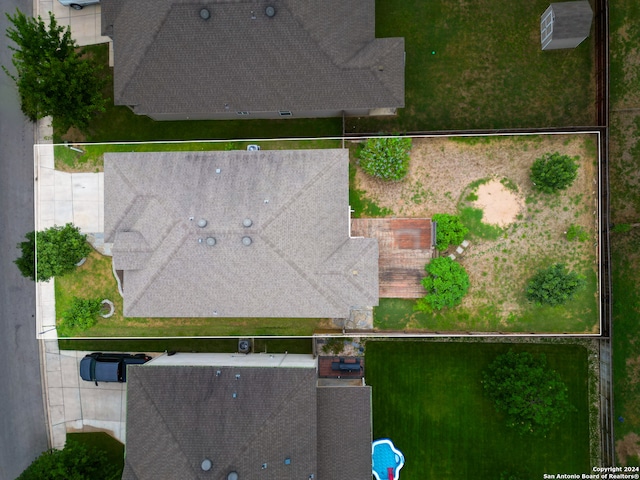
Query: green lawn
pixel 221 345
pixel 428 399
pixel 624 167
pixel 479 64
pixel 91 159
pixel 94 279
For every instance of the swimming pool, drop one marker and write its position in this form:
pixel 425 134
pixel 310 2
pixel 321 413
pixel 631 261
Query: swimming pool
pixel 387 460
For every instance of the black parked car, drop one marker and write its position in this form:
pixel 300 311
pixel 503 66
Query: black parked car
pixel 109 367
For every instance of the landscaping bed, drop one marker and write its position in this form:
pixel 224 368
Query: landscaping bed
pixel 428 398
pixel 486 179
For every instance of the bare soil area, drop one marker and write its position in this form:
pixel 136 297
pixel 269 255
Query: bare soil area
pixel 444 171
pixel 500 205
pixel 628 447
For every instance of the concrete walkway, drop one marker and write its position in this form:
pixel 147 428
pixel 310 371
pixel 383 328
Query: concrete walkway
pixel 72 404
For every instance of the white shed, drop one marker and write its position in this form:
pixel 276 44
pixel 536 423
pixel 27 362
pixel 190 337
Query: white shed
pixel 565 24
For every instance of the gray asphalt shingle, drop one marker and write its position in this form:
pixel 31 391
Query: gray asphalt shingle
pixel 300 263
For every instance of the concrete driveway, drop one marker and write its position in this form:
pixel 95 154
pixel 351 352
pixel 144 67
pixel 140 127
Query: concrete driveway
pixel 79 406
pixel 85 24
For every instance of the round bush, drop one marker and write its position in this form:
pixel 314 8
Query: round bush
pixel 446 283
pixel 449 230
pixel 82 314
pixel 553 172
pixel 386 158
pixel 554 285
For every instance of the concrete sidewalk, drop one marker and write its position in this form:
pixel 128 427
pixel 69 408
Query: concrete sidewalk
pixel 71 404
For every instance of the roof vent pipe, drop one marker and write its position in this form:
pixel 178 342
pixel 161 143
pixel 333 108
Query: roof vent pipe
pixel 205 14
pixel 270 11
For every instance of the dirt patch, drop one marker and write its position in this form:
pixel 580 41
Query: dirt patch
pixel 628 448
pixel 500 205
pixel 633 371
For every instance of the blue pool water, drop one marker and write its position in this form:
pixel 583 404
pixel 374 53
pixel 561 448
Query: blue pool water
pixel 386 456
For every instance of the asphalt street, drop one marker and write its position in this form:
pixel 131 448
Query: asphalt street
pixel 23 434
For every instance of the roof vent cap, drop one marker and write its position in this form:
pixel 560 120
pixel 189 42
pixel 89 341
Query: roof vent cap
pixel 232 476
pixel 205 14
pixel 202 223
pixel 211 241
pixel 247 222
pixel 246 241
pixel 270 11
pixel 206 465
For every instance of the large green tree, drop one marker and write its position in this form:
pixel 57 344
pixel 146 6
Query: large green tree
pixel 53 75
pixel 75 462
pixel 531 395
pixel 58 251
pixel 446 283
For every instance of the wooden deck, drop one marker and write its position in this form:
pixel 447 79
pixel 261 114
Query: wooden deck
pixel 405 248
pixel 325 370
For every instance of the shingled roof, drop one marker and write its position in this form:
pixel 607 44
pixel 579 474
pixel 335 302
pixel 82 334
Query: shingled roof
pixel 301 261
pixel 309 56
pixel 247 420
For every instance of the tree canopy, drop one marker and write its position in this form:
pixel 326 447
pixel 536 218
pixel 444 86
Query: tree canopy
pixel 554 285
pixel 449 230
pixel 58 251
pixel 553 172
pixel 532 396
pixel 75 462
pixel 386 158
pixel 53 76
pixel 446 283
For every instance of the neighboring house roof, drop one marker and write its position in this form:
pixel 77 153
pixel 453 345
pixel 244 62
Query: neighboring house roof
pixel 301 261
pixel 309 56
pixel 179 416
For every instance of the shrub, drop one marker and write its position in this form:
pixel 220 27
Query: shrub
pixel 446 283
pixel 386 158
pixel 449 231
pixel 531 395
pixel 554 285
pixel 75 462
pixel 553 172
pixel 576 232
pixel 82 314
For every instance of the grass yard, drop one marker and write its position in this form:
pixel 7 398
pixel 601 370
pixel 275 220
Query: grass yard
pixel 91 159
pixel 479 64
pixel 446 176
pixel 94 279
pixel 428 399
pixel 221 345
pixel 624 167
pixel 119 123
